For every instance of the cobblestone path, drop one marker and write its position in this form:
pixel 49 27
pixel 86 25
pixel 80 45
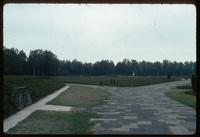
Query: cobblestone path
pixel 143 110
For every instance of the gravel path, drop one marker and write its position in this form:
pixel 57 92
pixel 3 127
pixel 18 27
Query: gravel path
pixel 40 105
pixel 143 110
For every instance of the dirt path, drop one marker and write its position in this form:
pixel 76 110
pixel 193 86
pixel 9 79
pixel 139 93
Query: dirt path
pixel 143 110
pixel 40 105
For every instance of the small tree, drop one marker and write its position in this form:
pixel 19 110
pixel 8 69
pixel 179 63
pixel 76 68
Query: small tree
pixel 193 81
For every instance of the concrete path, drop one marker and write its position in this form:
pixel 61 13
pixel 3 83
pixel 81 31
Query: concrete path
pixel 143 110
pixel 55 108
pixel 40 105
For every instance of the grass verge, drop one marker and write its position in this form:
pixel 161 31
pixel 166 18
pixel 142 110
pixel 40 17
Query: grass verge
pixel 81 96
pixel 53 122
pixel 184 96
pixel 38 87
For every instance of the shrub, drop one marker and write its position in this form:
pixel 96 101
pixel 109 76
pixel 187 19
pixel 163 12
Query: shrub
pixel 193 81
pixel 168 76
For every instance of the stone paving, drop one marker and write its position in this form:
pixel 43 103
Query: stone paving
pixel 143 110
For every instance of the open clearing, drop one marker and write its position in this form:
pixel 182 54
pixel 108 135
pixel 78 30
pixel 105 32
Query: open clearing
pixel 128 110
pixel 131 110
pixel 41 86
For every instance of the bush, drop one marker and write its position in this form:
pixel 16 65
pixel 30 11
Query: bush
pixel 168 76
pixel 193 81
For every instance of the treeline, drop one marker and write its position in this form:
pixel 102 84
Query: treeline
pixel 44 62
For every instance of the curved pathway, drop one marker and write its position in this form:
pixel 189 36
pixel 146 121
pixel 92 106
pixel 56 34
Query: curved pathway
pixel 143 110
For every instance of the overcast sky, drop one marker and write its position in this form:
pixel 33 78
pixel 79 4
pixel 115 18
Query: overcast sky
pixel 92 32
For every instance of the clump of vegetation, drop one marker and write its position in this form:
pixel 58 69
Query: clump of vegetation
pixel 169 76
pixel 193 81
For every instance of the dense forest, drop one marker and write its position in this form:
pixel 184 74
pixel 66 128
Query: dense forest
pixel 44 62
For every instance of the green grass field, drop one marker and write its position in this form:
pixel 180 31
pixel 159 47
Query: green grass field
pixel 184 95
pixel 119 81
pixel 79 96
pixel 52 122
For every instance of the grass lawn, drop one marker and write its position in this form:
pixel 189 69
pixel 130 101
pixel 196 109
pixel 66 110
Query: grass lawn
pixel 184 95
pixel 38 87
pixel 120 81
pixel 81 96
pixel 52 122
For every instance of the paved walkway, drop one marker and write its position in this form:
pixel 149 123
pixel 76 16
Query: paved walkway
pixel 40 105
pixel 143 110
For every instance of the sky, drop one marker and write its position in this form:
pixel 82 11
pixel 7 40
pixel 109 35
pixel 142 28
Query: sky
pixel 93 32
